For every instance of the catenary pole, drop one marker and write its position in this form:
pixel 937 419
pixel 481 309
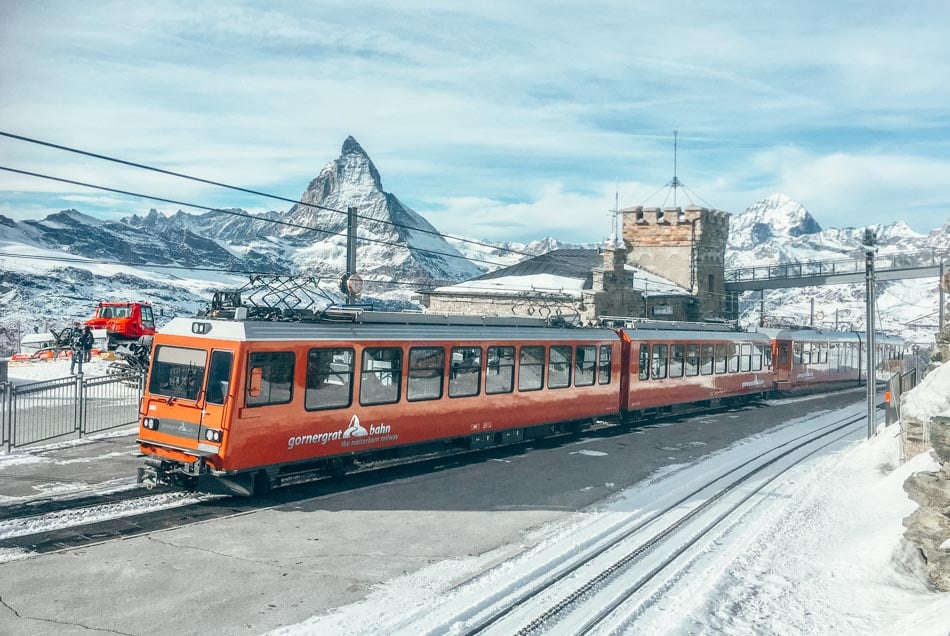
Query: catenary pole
pixel 870 239
pixel 941 307
pixel 350 250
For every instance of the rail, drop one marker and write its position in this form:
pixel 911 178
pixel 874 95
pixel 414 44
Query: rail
pixel 70 406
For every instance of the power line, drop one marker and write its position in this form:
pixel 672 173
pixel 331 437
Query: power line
pixel 182 175
pixel 240 214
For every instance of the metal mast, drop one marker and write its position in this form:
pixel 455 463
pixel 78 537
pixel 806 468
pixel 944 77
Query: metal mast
pixel 675 183
pixel 870 242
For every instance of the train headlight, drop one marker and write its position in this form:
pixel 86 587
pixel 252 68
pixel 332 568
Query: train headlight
pixel 151 423
pixel 212 435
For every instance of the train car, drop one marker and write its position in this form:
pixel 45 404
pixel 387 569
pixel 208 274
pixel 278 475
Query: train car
pixel 811 359
pixel 239 405
pixel 694 367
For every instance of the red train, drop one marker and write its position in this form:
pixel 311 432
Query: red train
pixel 238 405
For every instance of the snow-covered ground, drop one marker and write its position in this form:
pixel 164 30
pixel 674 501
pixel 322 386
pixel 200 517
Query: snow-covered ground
pixel 39 370
pixel 821 553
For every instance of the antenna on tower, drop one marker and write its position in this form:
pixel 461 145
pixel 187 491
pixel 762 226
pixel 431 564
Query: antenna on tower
pixel 615 236
pixel 675 183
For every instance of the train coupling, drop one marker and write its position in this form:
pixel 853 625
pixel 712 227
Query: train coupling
pixel 148 477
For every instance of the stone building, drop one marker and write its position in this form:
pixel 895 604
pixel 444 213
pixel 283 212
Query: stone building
pixel 687 246
pixel 576 284
pixel 669 266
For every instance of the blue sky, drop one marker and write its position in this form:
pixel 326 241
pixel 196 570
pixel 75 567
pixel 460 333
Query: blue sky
pixel 498 120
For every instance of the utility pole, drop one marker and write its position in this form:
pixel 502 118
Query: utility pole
pixel 761 307
pixel 940 302
pixel 811 316
pixel 870 242
pixel 350 253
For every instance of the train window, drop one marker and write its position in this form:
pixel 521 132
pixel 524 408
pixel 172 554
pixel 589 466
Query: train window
pixel 177 372
pixel 426 370
pixel 722 355
pixel 824 353
pixel 500 373
pixel 745 357
pixel 798 353
pixel 381 376
pixel 677 353
pixel 584 365
pixel 559 367
pixel 276 372
pixel 603 376
pixel 783 354
pixel 531 369
pixel 465 378
pixel 706 360
pixel 692 359
pixel 329 379
pixel 659 362
pixel 756 357
pixel 644 362
pixel 219 376
pixel 734 358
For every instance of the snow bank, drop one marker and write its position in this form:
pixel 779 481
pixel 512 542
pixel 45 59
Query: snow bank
pixel 929 398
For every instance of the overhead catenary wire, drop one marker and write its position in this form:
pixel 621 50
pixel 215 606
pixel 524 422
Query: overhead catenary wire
pixel 235 188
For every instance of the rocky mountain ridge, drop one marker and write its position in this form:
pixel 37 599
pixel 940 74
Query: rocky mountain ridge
pixel 779 230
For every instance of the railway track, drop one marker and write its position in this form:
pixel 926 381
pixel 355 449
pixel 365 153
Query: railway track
pixel 602 585
pixel 121 508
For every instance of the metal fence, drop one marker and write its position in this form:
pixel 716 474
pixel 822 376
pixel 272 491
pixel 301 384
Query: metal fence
pixel 76 405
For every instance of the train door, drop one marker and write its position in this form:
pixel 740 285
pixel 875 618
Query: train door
pixel 217 396
pixel 782 357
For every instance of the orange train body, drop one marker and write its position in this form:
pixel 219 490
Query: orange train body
pixel 239 405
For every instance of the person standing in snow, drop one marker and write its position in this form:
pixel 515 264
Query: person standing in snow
pixel 86 340
pixel 75 343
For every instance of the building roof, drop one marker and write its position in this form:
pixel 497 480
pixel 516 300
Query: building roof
pixel 566 263
pixel 565 271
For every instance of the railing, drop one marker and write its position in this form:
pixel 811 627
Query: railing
pixel 904 260
pixel 77 405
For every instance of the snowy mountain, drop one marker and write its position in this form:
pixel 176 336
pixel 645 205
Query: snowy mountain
pixel 779 230
pixel 394 243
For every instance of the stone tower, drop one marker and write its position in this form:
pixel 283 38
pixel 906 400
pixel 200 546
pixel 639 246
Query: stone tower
pixel 685 246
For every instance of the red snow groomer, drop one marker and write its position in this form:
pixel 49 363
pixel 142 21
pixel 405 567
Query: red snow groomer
pixel 123 321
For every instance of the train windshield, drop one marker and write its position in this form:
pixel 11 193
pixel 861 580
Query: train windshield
pixel 177 372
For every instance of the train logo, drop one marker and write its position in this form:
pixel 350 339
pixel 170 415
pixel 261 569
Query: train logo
pixel 755 382
pixel 355 429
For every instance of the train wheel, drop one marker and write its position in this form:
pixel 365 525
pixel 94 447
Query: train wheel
pixel 262 484
pixel 338 467
pixel 185 482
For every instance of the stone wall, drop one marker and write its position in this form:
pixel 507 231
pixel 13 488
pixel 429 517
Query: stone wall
pixel 928 528
pixel 506 305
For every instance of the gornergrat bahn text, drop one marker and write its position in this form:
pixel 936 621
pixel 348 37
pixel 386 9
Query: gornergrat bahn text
pixel 240 405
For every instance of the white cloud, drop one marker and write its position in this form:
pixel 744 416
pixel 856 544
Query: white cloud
pixel 527 109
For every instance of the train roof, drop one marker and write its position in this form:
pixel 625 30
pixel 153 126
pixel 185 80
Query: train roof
pixel 699 335
pixel 807 333
pixel 267 330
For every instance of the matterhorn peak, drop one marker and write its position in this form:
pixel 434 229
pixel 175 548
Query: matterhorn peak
pixel 353 147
